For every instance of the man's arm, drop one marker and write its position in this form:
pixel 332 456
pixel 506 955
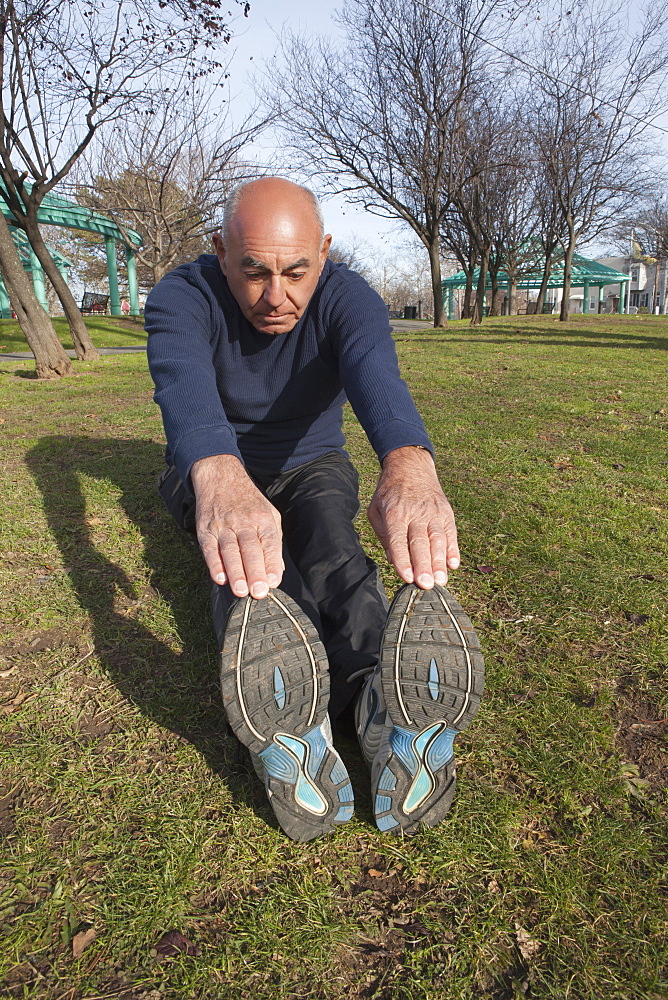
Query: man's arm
pixel 413 519
pixel 238 530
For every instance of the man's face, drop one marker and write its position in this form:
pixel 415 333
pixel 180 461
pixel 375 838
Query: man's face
pixel 272 261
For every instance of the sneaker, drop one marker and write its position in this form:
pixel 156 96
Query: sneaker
pixel 424 691
pixel 275 683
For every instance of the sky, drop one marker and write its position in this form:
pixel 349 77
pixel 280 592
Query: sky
pixel 254 48
pixel 254 42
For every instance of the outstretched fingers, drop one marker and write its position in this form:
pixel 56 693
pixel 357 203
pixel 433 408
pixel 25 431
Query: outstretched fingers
pixel 238 529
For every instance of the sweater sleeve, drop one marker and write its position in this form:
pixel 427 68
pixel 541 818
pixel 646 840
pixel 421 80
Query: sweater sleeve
pixel 369 368
pixel 179 323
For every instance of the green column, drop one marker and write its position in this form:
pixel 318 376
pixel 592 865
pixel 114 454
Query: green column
pixel 600 297
pixel 585 299
pixel 451 307
pixel 132 281
pixel 620 308
pixel 5 304
pixel 112 272
pixel 38 281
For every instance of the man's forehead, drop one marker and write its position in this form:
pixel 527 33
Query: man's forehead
pixel 274 221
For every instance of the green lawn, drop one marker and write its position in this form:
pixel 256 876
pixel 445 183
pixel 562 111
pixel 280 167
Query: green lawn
pixel 127 811
pixel 105 331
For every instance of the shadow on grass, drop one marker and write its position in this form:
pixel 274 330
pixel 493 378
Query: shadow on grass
pixel 177 690
pixel 561 336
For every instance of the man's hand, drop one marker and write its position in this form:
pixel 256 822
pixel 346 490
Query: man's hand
pixel 413 519
pixel 238 530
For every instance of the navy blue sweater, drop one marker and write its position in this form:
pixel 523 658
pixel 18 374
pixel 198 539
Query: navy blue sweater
pixel 273 400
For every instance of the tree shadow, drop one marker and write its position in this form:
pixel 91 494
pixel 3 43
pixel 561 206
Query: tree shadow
pixel 561 337
pixel 177 690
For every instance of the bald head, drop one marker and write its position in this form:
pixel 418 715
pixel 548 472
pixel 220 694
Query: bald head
pixel 272 251
pixel 276 190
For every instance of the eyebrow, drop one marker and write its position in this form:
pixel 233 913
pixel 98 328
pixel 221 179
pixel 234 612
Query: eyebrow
pixel 261 266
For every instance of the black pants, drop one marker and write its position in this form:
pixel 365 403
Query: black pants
pixel 326 570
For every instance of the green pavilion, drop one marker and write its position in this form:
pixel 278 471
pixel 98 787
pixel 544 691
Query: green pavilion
pixel 585 274
pixel 58 211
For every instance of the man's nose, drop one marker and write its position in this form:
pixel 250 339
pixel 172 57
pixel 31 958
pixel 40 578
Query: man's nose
pixel 274 293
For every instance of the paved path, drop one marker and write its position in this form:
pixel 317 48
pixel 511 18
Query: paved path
pixel 398 326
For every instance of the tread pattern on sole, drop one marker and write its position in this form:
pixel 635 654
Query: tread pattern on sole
pixel 275 685
pixel 274 671
pixel 432 675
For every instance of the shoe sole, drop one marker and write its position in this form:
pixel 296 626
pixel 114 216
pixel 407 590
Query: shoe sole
pixel 275 684
pixel 432 675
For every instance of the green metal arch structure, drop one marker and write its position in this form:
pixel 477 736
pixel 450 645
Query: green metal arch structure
pixel 584 274
pixel 58 211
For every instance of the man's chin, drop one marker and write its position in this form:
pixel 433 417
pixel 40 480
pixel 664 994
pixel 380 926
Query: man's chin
pixel 274 324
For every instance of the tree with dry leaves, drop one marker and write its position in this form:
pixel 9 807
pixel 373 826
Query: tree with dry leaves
pixel 167 176
pixel 69 70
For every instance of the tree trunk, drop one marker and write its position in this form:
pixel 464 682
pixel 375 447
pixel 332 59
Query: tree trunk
pixel 479 304
pixel 547 269
pixel 512 296
pixel 83 345
pixel 494 307
pixel 51 361
pixel 468 293
pixel 566 287
pixel 436 287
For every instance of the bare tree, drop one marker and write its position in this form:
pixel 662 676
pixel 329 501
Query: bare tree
pixel 645 230
pixel 69 69
pixel 381 118
pixel 595 95
pixel 167 175
pixel 354 253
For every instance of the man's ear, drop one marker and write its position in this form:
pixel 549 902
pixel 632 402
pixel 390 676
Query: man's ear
pixel 324 249
pixel 219 247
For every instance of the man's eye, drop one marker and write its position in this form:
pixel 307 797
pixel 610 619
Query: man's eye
pixel 296 275
pixel 254 275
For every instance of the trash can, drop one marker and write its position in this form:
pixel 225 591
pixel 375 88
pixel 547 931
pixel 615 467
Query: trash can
pixel 410 312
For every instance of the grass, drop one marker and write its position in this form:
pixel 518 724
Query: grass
pixel 105 331
pixel 125 807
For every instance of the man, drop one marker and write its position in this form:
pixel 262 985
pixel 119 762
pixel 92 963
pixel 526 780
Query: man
pixel 253 352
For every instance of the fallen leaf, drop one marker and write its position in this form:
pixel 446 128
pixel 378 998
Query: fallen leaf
pixel 95 520
pixel 81 941
pixel 173 943
pixel 524 696
pixel 562 464
pixel 493 887
pixel 7 673
pixel 374 873
pixel 635 618
pixel 485 569
pixel 527 945
pixel 617 465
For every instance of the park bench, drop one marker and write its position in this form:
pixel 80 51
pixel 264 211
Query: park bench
pixel 94 302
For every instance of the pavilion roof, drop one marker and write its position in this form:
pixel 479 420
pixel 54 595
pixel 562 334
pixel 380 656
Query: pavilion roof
pixel 23 247
pixel 582 270
pixel 58 211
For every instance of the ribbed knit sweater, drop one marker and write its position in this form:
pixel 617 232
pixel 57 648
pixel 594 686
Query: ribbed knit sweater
pixel 273 400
